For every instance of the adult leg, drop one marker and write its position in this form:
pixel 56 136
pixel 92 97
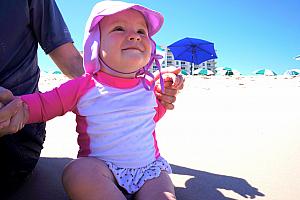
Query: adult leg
pixel 160 188
pixel 90 179
pixel 19 154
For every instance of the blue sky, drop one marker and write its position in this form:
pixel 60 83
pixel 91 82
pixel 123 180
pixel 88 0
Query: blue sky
pixel 248 34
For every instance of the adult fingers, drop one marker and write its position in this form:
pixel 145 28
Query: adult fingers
pixel 25 112
pixel 4 124
pixel 5 95
pixel 17 122
pixel 10 109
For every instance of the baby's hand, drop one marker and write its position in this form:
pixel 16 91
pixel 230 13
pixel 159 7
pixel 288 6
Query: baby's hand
pixel 173 82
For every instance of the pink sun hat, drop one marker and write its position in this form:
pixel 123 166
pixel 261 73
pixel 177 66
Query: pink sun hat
pixel 91 41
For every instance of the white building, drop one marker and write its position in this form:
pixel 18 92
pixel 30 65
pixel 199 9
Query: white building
pixel 168 60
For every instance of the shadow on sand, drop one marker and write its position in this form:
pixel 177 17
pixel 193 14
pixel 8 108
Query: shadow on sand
pixel 45 184
pixel 205 185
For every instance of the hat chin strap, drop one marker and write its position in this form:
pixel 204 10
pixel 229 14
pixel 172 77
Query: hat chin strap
pixel 103 64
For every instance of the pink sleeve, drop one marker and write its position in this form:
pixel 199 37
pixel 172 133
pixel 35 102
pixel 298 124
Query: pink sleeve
pixel 45 106
pixel 160 111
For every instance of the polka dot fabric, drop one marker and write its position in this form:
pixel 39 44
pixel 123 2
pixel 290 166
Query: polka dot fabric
pixel 132 179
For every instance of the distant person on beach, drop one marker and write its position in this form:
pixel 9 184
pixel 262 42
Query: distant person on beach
pixel 116 108
pixel 34 22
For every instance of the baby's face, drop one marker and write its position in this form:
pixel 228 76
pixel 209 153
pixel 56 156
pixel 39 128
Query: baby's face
pixel 125 44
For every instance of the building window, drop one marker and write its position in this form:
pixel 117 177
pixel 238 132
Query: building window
pixel 182 62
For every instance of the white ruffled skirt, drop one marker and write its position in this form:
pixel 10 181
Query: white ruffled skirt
pixel 132 179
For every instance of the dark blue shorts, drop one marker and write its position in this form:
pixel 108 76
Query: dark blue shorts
pixel 19 154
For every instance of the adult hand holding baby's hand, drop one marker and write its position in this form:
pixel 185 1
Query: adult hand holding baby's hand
pixel 173 82
pixel 13 113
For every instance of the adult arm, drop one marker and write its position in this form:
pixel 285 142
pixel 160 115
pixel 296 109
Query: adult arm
pixel 54 37
pixel 68 59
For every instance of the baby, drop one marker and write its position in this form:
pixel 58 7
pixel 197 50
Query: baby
pixel 115 106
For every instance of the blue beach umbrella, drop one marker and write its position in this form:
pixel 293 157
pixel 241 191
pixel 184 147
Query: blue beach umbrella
pixel 193 50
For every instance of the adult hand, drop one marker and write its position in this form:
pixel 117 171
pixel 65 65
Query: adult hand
pixel 173 82
pixel 12 113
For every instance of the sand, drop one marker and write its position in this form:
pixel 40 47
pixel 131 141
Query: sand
pixel 228 138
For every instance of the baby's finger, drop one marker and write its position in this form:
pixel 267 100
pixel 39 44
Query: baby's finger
pixel 167 84
pixel 171 70
pixel 166 98
pixel 179 82
pixel 169 77
pixel 167 106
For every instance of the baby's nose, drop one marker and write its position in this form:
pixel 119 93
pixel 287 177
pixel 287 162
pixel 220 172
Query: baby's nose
pixel 134 37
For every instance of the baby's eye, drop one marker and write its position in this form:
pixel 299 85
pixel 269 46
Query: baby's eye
pixel 142 31
pixel 118 28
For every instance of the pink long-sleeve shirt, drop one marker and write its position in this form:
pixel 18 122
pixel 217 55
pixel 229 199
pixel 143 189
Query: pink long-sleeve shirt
pixel 115 117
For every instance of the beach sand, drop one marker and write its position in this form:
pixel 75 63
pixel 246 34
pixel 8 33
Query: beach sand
pixel 228 138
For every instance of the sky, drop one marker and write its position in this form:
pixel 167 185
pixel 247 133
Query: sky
pixel 247 34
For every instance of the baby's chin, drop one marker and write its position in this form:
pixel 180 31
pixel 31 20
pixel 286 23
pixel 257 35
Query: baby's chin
pixel 127 68
pixel 131 66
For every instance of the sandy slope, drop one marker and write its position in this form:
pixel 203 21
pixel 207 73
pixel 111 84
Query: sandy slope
pixel 227 138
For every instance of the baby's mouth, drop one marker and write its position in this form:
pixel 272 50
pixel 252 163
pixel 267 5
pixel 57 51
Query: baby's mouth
pixel 132 48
